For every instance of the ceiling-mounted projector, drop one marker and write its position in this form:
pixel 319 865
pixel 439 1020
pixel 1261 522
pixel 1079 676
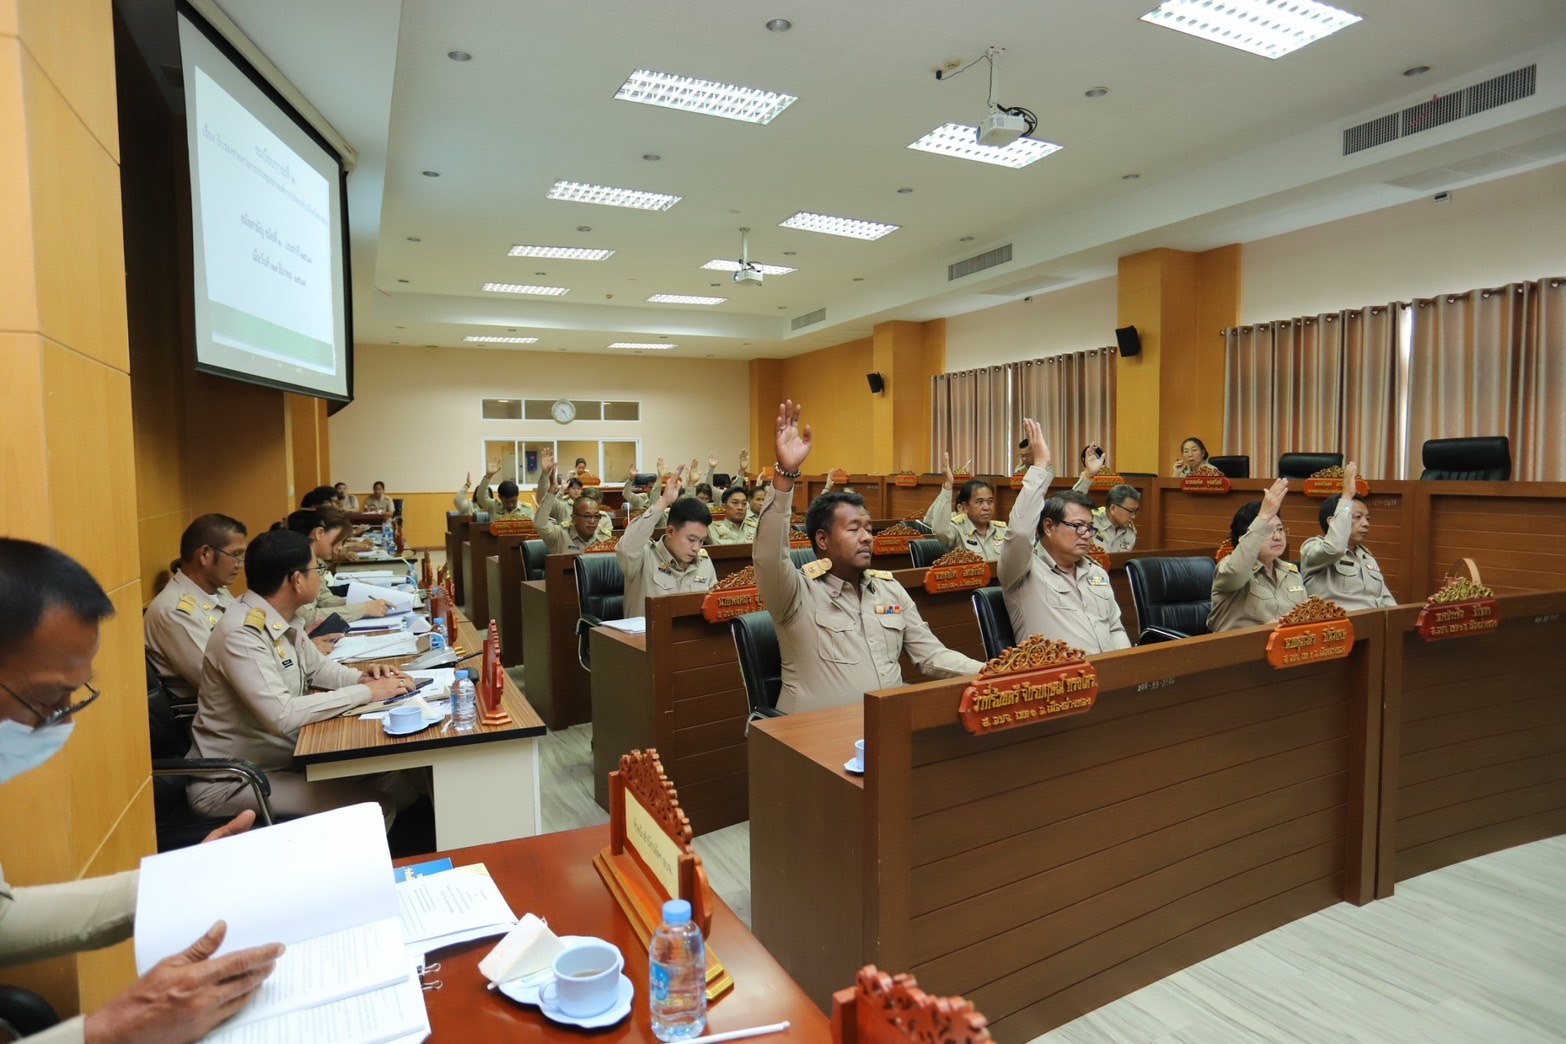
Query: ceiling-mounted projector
pixel 747 273
pixel 1001 128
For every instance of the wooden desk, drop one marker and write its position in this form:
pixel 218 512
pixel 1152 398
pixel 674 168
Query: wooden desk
pixel 486 782
pixel 552 876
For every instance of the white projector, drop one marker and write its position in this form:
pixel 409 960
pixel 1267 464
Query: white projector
pixel 1001 129
pixel 748 274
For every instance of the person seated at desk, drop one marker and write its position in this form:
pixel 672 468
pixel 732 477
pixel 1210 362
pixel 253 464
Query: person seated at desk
pixel 1061 593
pixel 325 529
pixel 1338 566
pixel 972 526
pixel 1192 456
pixel 256 693
pixel 1114 524
pixel 180 618
pixel 346 501
pixel 677 564
pixel 320 496
pixel 636 497
pixel 51 612
pixel 588 523
pixel 507 508
pixel 758 496
pixel 378 503
pixel 1253 585
pixel 841 625
pixel 736 526
pixel 1092 459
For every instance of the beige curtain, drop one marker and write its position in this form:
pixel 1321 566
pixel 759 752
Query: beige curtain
pixel 1073 397
pixel 972 417
pixel 1372 390
pixel 1248 389
pixel 1538 422
pixel 1308 397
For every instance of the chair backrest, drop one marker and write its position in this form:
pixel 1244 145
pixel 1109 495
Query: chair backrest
pixel 1304 465
pixel 481 517
pixel 169 736
pixel 1485 458
pixel 761 665
pixel 1233 467
pixel 1173 593
pixel 533 554
pixel 801 556
pixel 600 586
pixel 914 523
pixel 925 551
pixel 397 506
pixel 994 622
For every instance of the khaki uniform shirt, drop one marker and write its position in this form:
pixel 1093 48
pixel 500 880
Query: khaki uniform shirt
pixel 482 501
pixel 1244 595
pixel 636 501
pixel 1077 606
pixel 838 642
pixel 955 529
pixel 722 531
pixel 1111 537
pixel 176 625
pixel 379 505
pixel 651 571
pixel 326 603
pixel 1334 571
pixel 255 687
pixel 564 539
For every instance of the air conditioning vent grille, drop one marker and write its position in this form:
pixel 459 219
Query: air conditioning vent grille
pixel 799 322
pixel 978 262
pixel 1370 134
pixel 1470 101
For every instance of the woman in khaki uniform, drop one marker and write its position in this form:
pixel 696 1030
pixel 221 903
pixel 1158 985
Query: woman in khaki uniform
pixel 1253 586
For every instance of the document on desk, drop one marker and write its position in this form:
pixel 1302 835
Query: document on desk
pixel 456 906
pixel 630 625
pixel 375 646
pixel 402 601
pixel 384 1016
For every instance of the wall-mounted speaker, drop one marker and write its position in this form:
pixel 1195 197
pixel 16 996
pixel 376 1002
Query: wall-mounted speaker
pixel 1130 344
pixel 877 382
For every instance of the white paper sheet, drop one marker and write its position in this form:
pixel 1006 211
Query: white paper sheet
pixel 358 592
pixel 630 625
pixel 458 901
pixel 392 1013
pixel 329 968
pixel 374 646
pixel 379 623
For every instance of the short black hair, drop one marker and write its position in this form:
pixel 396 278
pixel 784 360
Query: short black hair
pixel 971 487
pixel 1242 521
pixel 582 461
pixel 735 491
pixel 823 512
pixel 686 510
pixel 275 556
pixel 1055 507
pixel 1118 495
pixel 318 497
pixel 378 485
pixel 1329 507
pixel 507 489
pixel 704 487
pixel 208 531
pixel 35 577
pixel 573 481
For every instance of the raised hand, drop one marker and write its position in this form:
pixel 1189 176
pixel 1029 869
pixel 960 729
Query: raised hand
pixel 1038 450
pixel 1350 481
pixel 546 464
pixel 744 460
pixel 630 472
pixel 1272 500
pixel 1093 455
pixel 793 441
pixel 671 487
pixel 712 463
pixel 946 471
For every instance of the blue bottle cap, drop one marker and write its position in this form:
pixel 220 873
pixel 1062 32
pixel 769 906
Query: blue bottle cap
pixel 462 675
pixel 676 912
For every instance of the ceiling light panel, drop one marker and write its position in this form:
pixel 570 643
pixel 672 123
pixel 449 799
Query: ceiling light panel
pixel 657 346
pixel 487 339
pixel 523 288
pixel 577 192
pixel 706 97
pixel 561 253
pixel 962 141
pixel 685 299
pixel 853 228
pixel 718 264
pixel 1270 28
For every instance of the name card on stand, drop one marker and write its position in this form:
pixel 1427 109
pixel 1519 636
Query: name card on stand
pixel 649 858
pixel 957 570
pixel 1313 631
pixel 734 595
pixel 598 547
pixel 1462 608
pixel 905 480
pixel 493 680
pixel 1214 482
pixel 894 539
pixel 513 527
pixel 1037 681
pixel 1328 482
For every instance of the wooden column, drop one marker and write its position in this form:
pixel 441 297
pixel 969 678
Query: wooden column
pixel 906 355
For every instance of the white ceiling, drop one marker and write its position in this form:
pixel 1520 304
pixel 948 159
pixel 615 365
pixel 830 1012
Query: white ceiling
pixel 1229 147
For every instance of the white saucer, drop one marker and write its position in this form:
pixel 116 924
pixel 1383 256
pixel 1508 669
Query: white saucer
pixel 616 1011
pixel 385 727
pixel 848 767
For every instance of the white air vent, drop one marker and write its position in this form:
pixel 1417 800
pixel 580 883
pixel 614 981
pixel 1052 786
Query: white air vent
pixel 799 322
pixel 979 262
pixel 1454 105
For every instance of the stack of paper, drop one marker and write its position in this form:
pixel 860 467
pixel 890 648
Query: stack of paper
pixel 401 601
pixel 375 646
pixel 630 625
pixel 452 907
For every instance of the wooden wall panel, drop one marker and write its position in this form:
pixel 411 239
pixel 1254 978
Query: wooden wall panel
pixel 74 44
pixel 18 295
pixel 104 972
pixel 24 463
pixel 1519 542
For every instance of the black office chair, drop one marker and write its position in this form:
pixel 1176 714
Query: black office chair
pixel 761 665
pixel 481 517
pixel 1233 467
pixel 1173 596
pixel 397 506
pixel 533 554
pixel 925 551
pixel 802 556
pixel 24 1013
pixel 994 622
pixel 178 826
pixel 600 596
pixel 1304 465
pixel 914 523
pixel 1485 458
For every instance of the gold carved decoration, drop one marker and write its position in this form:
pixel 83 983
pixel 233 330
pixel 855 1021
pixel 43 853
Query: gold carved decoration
pixel 1037 653
pixel 1205 469
pixel 643 774
pixel 957 556
pixel 743 578
pixel 898 529
pixel 1313 610
pixel 1459 589
pixel 1334 471
pixel 601 545
pixel 892 1007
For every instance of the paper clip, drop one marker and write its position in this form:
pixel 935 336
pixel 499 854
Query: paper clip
pixel 430 987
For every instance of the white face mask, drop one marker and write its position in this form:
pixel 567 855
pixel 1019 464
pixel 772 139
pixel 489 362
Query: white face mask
pixel 23 748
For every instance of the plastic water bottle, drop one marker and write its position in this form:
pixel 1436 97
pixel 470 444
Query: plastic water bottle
pixel 464 703
pixel 677 994
pixel 388 536
pixel 438 625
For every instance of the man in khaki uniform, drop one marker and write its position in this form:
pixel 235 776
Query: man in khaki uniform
pixel 1114 524
pixel 677 564
pixel 841 625
pixel 378 503
pixel 506 509
pixel 972 527
pixel 256 691
pixel 1063 594
pixel 51 610
pixel 1253 586
pixel 588 523
pixel 736 525
pixel 1338 566
pixel 178 621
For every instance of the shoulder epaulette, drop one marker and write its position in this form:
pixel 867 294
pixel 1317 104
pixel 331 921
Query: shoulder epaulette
pixel 997 525
pixel 186 605
pixel 879 574
pixel 1292 567
pixel 958 516
pixel 256 618
pixel 815 570
pixel 702 553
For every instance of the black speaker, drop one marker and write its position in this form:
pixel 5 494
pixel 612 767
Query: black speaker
pixel 1130 343
pixel 877 382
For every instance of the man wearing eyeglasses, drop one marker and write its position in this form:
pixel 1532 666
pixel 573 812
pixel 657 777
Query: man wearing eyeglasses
pixel 588 524
pixel 50 613
pixel 1061 593
pixel 180 619
pixel 1114 524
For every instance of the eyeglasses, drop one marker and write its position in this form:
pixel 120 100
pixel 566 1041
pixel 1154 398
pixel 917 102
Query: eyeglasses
pixel 1278 530
pixel 239 559
pixel 1133 512
pixel 58 716
pixel 1080 528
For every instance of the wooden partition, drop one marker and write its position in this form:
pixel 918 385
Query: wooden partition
pixel 556 684
pixel 508 597
pixel 456 532
pixel 1044 871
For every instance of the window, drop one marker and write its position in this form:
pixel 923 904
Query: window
pixel 541 409
pixel 518 459
pixel 502 409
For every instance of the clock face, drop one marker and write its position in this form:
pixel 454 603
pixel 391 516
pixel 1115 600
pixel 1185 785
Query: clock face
pixel 564 411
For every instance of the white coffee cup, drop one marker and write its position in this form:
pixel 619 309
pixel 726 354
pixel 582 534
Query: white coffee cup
pixel 587 979
pixel 408 717
pixel 859 755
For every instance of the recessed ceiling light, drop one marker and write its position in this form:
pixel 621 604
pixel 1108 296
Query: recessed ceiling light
pixel 415 239
pixel 540 273
pixel 1270 28
pixel 1129 177
pixel 402 327
pixel 651 157
pixel 962 141
pixel 459 56
pixel 523 288
pixel 685 299
pixel 430 173
pixel 779 25
pixel 853 228
pixel 705 97
pixel 584 228
pixel 577 192
pixel 643 346
pixel 1095 92
pixel 561 253
pixel 396 342
pixel 720 265
pixel 488 339
pixel 1418 70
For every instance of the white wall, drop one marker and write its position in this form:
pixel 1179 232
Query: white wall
pixel 415 422
pixel 1070 320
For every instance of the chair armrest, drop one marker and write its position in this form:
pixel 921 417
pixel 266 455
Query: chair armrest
pixel 222 768
pixel 1152 635
pixel 586 622
pixel 767 712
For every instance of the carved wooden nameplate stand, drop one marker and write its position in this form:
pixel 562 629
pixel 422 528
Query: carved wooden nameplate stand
pixel 493 681
pixel 1462 608
pixel 649 858
pixel 1033 682
pixel 892 1009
